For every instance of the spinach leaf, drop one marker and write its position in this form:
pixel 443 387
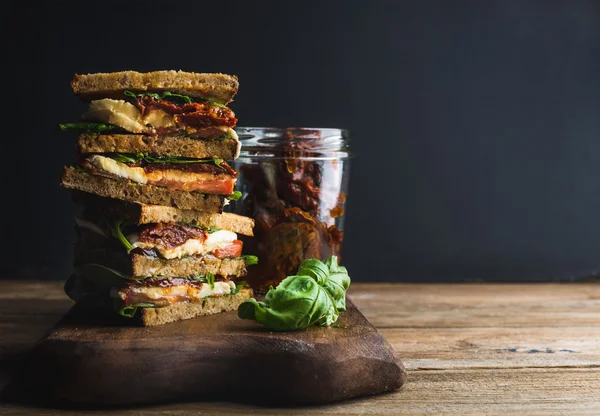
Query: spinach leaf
pixel 224 136
pixel 239 286
pixel 102 275
pixel 234 196
pixel 171 96
pixel 128 311
pixel 88 127
pixel 250 260
pixel 137 157
pixel 115 230
pixel 210 279
pixel 313 297
pixel 210 230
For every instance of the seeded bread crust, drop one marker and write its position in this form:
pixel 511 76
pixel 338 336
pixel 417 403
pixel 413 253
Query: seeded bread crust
pixel 151 214
pixel 187 267
pixel 141 266
pixel 159 145
pixel 135 192
pixel 188 310
pixel 220 88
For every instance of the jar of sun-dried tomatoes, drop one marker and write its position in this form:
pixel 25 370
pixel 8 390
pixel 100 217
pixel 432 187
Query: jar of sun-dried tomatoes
pixel 294 184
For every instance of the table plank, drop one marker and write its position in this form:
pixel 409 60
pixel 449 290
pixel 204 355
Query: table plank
pixel 470 348
pixel 478 305
pixel 537 391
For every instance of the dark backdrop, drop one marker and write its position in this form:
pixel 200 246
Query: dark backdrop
pixel 475 124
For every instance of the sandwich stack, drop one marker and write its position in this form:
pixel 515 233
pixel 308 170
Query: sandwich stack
pixel 152 179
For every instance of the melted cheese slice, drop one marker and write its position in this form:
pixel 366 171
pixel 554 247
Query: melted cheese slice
pixel 214 241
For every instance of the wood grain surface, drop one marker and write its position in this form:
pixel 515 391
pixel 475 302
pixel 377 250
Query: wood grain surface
pixel 470 349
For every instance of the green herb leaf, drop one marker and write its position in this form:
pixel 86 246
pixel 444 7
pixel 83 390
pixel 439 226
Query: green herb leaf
pixel 88 127
pixel 313 297
pixel 249 259
pixel 171 96
pixel 115 230
pixel 239 286
pixel 210 230
pixel 210 279
pixel 129 311
pixel 199 279
pixel 234 196
pixel 102 275
pixel 225 136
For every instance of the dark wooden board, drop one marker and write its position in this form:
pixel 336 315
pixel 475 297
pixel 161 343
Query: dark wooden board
pixel 94 360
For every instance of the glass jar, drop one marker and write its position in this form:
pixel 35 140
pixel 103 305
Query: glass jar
pixel 294 183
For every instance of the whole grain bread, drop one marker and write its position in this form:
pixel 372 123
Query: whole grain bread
pixel 219 88
pixel 135 192
pixel 150 214
pixel 142 266
pixel 226 149
pixel 187 310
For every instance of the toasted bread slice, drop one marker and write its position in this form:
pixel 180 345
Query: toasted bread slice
pixel 150 214
pixel 188 310
pixel 227 149
pixel 142 266
pixel 219 88
pixel 135 192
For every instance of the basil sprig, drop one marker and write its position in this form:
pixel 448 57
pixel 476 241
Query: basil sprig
pixel 138 157
pixel 315 296
pixel 88 127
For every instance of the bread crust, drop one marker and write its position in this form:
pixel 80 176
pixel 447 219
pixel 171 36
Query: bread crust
pixel 135 192
pixel 219 88
pixel 188 310
pixel 141 266
pixel 159 145
pixel 151 214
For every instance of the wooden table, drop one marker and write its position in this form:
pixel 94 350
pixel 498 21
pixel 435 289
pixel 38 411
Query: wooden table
pixel 469 348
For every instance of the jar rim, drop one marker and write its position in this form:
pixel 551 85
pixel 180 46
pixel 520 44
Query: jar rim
pixel 302 139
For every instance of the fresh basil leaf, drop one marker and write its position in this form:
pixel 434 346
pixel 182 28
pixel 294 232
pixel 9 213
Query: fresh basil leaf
pixel 115 230
pixel 199 279
pixel 210 279
pixel 313 297
pixel 249 259
pixel 234 196
pixel 297 302
pixel 314 268
pixel 88 127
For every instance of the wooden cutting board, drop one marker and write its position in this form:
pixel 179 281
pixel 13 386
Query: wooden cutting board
pixel 95 360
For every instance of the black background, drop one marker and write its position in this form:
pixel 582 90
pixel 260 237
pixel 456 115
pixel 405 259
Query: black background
pixel 475 124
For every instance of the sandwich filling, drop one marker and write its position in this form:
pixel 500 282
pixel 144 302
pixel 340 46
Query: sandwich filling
pixel 151 115
pixel 170 240
pixel 211 177
pixel 164 292
pixel 174 241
